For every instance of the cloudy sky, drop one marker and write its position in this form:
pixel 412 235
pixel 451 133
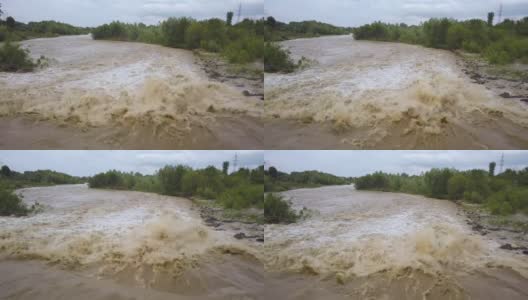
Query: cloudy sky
pixel 359 12
pixel 357 163
pixel 86 163
pixel 97 12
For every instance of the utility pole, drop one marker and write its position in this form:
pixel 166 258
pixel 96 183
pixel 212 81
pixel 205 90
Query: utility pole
pixel 235 163
pixel 239 12
pixel 500 13
pixel 501 165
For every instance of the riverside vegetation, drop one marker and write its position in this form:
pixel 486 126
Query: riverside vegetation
pixel 277 59
pixel 15 59
pixel 11 203
pixel 238 190
pixel 502 194
pixel 239 43
pixel 279 210
pixel 502 43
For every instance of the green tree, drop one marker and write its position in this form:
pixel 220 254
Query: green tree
pixel 491 15
pixel 492 169
pixel 5 171
pixel 229 18
pixel 456 186
pixel 10 22
pixel 273 172
pixel 225 167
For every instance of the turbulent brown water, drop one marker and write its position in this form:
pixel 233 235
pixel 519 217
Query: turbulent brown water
pixel 98 244
pixel 361 94
pixel 371 245
pixel 148 90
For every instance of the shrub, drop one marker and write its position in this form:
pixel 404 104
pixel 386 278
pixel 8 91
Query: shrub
pixel 278 210
pixel 15 59
pixel 11 204
pixel 277 60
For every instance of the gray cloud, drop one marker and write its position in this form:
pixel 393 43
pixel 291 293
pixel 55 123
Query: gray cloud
pixel 359 12
pixel 85 163
pixel 357 163
pixel 97 12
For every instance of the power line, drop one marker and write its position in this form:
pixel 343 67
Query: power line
pixel 235 163
pixel 239 12
pixel 500 13
pixel 501 165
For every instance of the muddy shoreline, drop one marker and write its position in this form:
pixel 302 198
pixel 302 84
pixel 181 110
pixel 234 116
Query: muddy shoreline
pixel 245 223
pixel 508 231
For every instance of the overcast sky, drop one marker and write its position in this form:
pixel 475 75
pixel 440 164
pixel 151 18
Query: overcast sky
pixel 357 163
pixel 359 12
pixel 86 163
pixel 98 12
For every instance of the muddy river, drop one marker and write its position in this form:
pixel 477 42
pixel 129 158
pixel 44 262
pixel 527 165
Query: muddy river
pixel 372 245
pixel 99 244
pixel 103 94
pixel 375 95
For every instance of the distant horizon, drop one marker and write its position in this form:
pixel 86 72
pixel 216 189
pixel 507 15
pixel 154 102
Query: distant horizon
pixel 345 13
pixel 93 13
pixel 355 163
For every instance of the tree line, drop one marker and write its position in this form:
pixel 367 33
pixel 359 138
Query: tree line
pixel 239 43
pixel 277 181
pixel 237 190
pixel 501 43
pixel 505 193
pixel 10 203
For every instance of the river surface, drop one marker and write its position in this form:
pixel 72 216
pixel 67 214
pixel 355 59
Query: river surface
pixel 100 244
pixel 362 94
pixel 128 93
pixel 373 245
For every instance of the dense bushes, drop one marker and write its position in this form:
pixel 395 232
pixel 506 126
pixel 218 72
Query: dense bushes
pixel 278 210
pixel 276 181
pixel 11 204
pixel 238 190
pixel 277 59
pixel 500 44
pixel 15 59
pixel 239 43
pixel 505 193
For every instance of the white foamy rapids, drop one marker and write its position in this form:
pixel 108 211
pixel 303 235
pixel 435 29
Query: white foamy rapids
pixel 114 230
pixel 376 85
pixel 93 83
pixel 353 233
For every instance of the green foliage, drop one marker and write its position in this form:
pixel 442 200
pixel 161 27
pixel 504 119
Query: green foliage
pixel 504 194
pixel 238 190
pixel 276 181
pixel 278 31
pixel 277 210
pixel 277 59
pixel 501 44
pixel 240 43
pixel 11 204
pixel 15 59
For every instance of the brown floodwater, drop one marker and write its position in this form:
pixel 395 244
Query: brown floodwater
pixel 100 244
pixel 127 92
pixel 373 245
pixel 375 95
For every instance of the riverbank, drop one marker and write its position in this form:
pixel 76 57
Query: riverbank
pixel 510 232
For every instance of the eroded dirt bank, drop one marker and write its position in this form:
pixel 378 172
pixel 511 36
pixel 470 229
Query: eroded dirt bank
pixel 99 244
pixel 361 94
pixel 371 245
pixel 144 90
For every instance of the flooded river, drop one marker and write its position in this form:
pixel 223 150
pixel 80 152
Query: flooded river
pixel 372 245
pixel 362 94
pixel 119 95
pixel 99 244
